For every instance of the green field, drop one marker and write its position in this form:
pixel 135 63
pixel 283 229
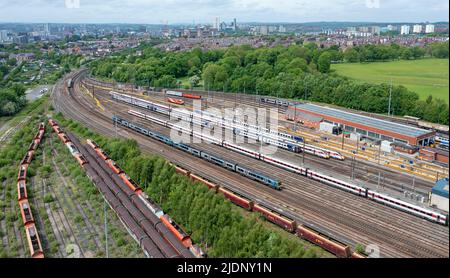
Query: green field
pixel 425 77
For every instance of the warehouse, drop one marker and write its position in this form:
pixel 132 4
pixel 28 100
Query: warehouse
pixel 439 195
pixel 367 126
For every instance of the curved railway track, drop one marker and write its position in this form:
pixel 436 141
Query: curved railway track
pixel 407 237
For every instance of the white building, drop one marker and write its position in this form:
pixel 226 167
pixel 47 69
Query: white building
pixel 282 29
pixel 3 35
pixel 405 30
pixel 439 195
pixel 417 29
pixel 376 30
pixel 391 28
pixel 429 28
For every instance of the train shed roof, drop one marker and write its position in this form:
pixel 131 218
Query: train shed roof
pixel 441 188
pixel 364 120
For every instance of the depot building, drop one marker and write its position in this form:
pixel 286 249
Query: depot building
pixel 364 125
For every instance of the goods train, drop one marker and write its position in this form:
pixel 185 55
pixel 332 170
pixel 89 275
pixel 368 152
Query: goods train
pixel 232 166
pixel 211 120
pixel 125 208
pixel 140 197
pixel 34 243
pixel 181 94
pixel 175 101
pixel 303 231
pixel 355 189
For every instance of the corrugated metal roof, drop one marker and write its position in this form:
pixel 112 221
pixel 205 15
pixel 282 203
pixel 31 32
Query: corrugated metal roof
pixel 364 120
pixel 441 188
pixel 308 117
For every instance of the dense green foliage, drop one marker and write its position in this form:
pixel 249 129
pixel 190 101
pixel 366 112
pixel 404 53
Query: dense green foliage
pixel 298 72
pixel 12 99
pixel 16 77
pixel 209 218
pixel 372 53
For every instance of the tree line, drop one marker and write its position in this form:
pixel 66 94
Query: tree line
pixel 297 72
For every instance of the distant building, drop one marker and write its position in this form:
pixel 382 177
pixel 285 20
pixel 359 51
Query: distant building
pixel 23 39
pixel 439 195
pixel 47 29
pixel 282 29
pixel 417 29
pixel 376 30
pixel 235 24
pixel 405 30
pixel 429 28
pixel 368 127
pixel 391 28
pixel 4 36
pixel 23 57
pixel 264 30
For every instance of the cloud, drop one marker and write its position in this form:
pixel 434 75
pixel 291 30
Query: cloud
pixel 178 11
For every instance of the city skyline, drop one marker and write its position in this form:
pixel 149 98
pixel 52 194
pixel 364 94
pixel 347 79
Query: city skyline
pixel 206 11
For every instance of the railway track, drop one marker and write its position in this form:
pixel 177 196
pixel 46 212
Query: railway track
pixel 291 183
pixel 107 130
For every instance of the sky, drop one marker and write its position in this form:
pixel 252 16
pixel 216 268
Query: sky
pixel 205 11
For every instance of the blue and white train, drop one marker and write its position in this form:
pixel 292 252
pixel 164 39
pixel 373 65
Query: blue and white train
pixel 352 188
pixel 273 183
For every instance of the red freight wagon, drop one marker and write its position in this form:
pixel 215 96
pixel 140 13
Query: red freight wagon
pixel 177 231
pixel 209 184
pixel 191 96
pixel 281 221
pixel 336 248
pixel 236 199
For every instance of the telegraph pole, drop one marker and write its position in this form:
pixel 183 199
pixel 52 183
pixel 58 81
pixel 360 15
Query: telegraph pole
pixel 390 98
pixel 304 145
pixel 106 230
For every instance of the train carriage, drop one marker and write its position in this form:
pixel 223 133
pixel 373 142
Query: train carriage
pixel 337 248
pixel 285 223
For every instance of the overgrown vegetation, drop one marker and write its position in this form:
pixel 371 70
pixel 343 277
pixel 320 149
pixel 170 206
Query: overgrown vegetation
pixel 297 72
pixel 209 218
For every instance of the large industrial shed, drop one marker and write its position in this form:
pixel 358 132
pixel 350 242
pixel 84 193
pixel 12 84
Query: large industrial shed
pixel 439 195
pixel 367 126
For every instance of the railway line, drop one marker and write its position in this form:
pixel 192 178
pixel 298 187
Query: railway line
pixel 104 126
pixel 367 172
pixel 367 157
pixel 157 235
pixel 291 185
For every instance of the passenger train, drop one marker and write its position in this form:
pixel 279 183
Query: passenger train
pixel 210 120
pixel 232 166
pixel 355 189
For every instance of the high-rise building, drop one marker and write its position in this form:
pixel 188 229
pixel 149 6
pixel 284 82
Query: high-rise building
pixel 264 30
pixel 405 30
pixel 234 24
pixel 47 29
pixel 3 35
pixel 429 28
pixel 282 29
pixel 217 23
pixel 376 30
pixel 417 28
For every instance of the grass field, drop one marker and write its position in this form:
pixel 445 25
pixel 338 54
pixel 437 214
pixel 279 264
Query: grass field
pixel 425 77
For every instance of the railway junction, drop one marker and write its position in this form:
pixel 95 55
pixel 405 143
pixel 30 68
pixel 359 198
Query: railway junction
pixel 339 214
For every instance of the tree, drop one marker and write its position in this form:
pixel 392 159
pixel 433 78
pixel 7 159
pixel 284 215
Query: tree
pixel 194 80
pixel 407 54
pixel 11 62
pixel 324 62
pixel 351 55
